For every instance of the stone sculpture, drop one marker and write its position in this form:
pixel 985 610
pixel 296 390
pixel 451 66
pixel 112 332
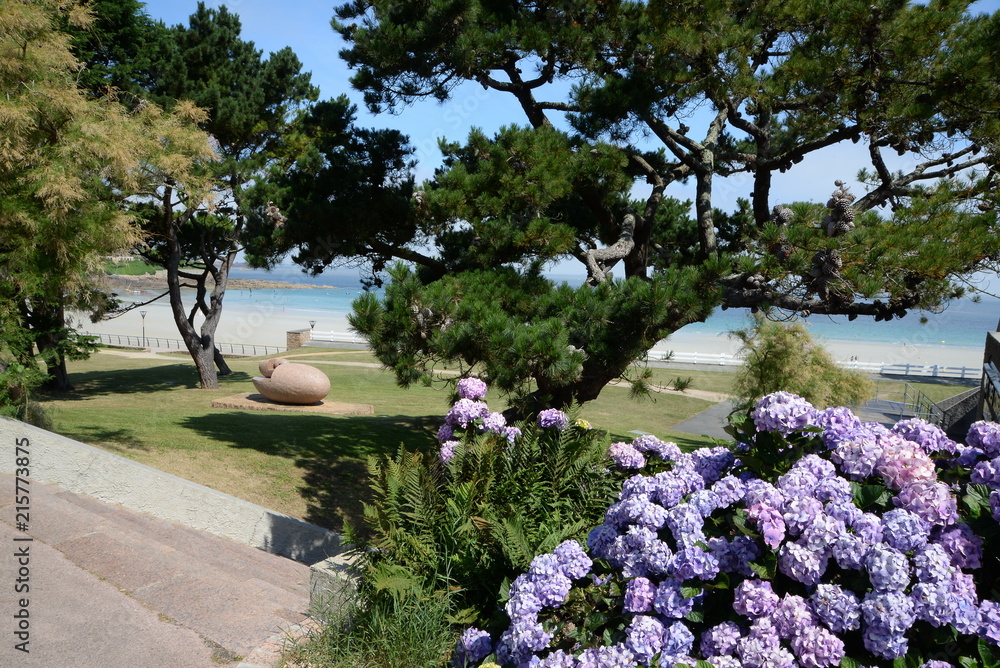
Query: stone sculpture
pixel 291 383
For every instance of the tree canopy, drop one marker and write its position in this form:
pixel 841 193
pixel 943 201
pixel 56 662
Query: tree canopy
pixel 251 103
pixel 623 102
pixel 68 163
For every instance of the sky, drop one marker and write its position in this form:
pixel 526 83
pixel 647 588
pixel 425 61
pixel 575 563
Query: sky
pixel 304 25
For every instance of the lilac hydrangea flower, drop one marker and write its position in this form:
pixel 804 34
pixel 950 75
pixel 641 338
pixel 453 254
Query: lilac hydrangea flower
pixel 985 436
pixel 471 388
pixel 836 422
pixel 694 563
pixel 802 564
pixel 665 450
pixel 465 411
pixel 816 647
pixel 888 568
pixel 573 561
pixel 553 417
pixel 836 607
pixel 720 639
pixel 473 646
pixel 755 598
pixel 904 530
pixel 792 616
pixel 645 636
pixel 931 500
pixel 670 602
pixel 962 544
pixel 510 433
pixel 784 413
pixel 447 451
pixel 930 437
pixel 445 432
pixel 625 456
pixel 493 423
pixel 639 595
pixel 616 656
pixel 857 453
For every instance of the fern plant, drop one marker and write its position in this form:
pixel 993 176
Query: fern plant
pixel 468 525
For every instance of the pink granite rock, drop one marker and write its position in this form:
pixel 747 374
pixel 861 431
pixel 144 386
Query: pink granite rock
pixel 291 383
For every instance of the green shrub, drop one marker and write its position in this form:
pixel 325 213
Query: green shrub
pixel 469 525
pixel 680 384
pixel 785 357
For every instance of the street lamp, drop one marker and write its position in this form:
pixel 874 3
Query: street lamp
pixel 143 314
pixel 312 325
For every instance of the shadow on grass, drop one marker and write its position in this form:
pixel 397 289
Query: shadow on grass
pixel 148 379
pixel 333 452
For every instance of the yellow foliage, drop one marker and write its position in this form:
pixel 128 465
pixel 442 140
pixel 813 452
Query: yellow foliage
pixel 68 162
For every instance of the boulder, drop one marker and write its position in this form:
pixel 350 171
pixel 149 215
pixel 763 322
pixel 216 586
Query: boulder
pixel 291 383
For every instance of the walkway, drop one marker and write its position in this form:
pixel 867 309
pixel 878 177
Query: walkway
pixel 109 587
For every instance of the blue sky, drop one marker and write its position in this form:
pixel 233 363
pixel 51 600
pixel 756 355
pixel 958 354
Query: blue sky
pixel 304 25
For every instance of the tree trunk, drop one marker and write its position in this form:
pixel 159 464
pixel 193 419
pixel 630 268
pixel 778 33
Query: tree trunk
pixel 220 362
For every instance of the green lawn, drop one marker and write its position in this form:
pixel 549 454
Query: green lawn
pixel 308 466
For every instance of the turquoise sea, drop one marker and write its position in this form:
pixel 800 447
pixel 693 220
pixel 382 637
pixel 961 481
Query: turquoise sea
pixel 963 324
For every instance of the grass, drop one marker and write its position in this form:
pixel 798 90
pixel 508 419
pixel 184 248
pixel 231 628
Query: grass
pixel 305 465
pixel 132 268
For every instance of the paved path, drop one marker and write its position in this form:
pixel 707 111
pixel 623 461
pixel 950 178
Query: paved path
pixel 112 588
pixel 709 422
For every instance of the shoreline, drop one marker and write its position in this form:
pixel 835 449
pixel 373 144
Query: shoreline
pixel 267 324
pixel 141 282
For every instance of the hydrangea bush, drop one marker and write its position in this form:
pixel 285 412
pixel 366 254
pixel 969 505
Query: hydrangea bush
pixel 466 518
pixel 813 540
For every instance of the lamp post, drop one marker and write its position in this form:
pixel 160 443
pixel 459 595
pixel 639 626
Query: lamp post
pixel 312 325
pixel 143 314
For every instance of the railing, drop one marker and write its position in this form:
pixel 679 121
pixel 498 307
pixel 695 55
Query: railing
pixel 248 349
pixel 336 337
pixel 879 368
pixel 890 406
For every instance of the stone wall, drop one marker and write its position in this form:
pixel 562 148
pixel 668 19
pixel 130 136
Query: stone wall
pixel 296 338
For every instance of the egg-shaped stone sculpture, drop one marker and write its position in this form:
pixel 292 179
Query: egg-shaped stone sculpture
pixel 291 383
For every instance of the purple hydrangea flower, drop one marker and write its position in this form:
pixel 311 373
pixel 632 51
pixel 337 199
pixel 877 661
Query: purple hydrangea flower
pixel 932 602
pixel 989 616
pixel 888 568
pixel 930 437
pixel 932 564
pixel 962 544
pixel 800 512
pixel 792 616
pixel 625 456
pixel 553 417
pixel 466 411
pixel 639 595
pixel 616 656
pixel 471 388
pixel 755 598
pixel 802 564
pixel 510 433
pixel 836 423
pixel 712 463
pixel 447 451
pixel 473 646
pixel 904 530
pixel 493 423
pixel 720 639
pixel 816 647
pixel 665 450
pixel 784 413
pixel 573 561
pixel 694 563
pixel 445 432
pixel 836 607
pixel 857 453
pixel 670 602
pixel 985 436
pixel 931 500
pixel 645 636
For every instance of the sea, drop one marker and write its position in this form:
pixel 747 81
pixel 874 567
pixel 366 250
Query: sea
pixel 963 324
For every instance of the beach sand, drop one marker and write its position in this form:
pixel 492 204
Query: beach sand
pixel 267 324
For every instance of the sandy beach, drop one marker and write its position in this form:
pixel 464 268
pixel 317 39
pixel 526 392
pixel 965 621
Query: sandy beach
pixel 267 324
